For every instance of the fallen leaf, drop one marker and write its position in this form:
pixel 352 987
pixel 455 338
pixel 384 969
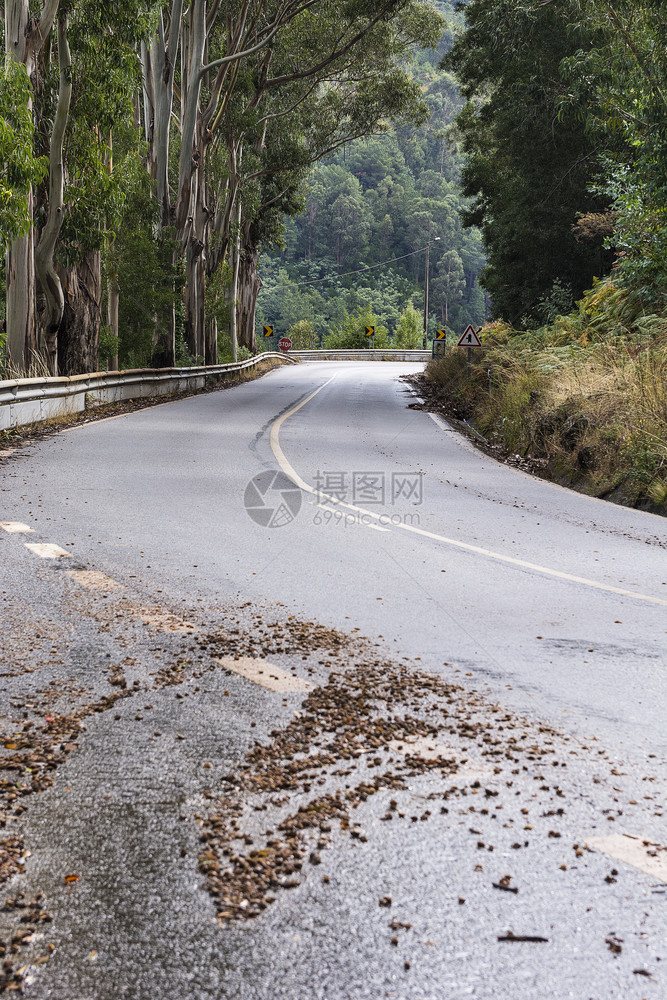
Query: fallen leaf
pixel 523 937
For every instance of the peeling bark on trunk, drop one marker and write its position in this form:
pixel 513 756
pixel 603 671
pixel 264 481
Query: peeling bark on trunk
pixel 158 89
pixel 24 37
pixel 79 333
pixel 211 355
pixel 248 290
pixel 21 333
pixel 113 302
pixel 193 300
pixel 45 268
pixel 234 291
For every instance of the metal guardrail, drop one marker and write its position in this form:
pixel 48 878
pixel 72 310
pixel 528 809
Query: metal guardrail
pixel 362 355
pixel 31 400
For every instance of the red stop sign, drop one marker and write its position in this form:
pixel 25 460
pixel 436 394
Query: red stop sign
pixel 284 344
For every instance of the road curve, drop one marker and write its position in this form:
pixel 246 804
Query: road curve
pixel 318 493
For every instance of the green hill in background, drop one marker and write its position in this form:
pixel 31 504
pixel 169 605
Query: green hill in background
pixel 375 205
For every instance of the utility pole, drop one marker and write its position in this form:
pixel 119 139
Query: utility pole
pixel 428 248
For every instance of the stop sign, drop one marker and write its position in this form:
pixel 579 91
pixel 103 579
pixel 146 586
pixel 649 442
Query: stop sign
pixel 284 343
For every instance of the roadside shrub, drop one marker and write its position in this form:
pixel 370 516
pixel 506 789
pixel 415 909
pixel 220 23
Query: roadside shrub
pixel 586 396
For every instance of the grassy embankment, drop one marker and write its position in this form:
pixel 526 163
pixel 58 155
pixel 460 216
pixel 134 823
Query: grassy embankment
pixel 586 396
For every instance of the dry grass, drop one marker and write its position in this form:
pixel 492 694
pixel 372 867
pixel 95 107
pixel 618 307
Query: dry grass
pixel 594 407
pixel 37 367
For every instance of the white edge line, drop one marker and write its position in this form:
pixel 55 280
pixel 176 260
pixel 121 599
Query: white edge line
pixel 463 442
pixel 293 475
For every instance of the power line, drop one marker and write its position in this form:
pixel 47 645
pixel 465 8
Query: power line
pixel 372 267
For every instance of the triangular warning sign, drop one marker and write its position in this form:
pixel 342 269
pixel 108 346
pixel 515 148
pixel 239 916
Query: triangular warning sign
pixel 470 338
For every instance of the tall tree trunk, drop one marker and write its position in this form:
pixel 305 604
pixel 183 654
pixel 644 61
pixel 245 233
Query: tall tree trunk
pixel 24 37
pixel 158 61
pixel 79 333
pixel 196 244
pixel 211 346
pixel 246 298
pixel 236 264
pixel 113 302
pixel 193 301
pixel 21 332
pixel 44 265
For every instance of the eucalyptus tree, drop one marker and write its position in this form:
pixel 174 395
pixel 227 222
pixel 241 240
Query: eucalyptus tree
pixel 48 277
pixel 87 78
pixel 25 36
pixel 331 76
pixel 246 66
pixel 20 169
pixel 238 29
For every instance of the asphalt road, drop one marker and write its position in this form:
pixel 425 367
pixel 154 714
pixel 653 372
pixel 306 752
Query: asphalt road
pixel 417 591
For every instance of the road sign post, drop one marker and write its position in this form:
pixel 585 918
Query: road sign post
pixel 285 344
pixel 469 339
pixel 370 332
pixel 439 344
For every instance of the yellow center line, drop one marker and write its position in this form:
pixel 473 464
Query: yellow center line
pixel 293 475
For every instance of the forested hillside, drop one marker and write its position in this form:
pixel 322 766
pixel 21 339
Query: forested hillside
pixel 382 199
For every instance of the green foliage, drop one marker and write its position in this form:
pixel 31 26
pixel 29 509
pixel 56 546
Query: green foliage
pixel 142 259
pixel 109 345
pixel 350 333
pixel 583 398
pixel 558 302
pixel 380 200
pixel 409 332
pixel 623 81
pixel 303 335
pixel 19 168
pixel 529 159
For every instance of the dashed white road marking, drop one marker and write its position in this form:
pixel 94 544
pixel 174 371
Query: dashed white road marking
pixel 294 476
pixel 645 855
pixel 430 749
pixel 47 550
pixel 92 580
pixel 376 527
pixel 265 674
pixel 163 621
pixel 15 527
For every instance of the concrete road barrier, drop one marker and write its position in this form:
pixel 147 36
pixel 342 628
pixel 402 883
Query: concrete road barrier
pixel 361 355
